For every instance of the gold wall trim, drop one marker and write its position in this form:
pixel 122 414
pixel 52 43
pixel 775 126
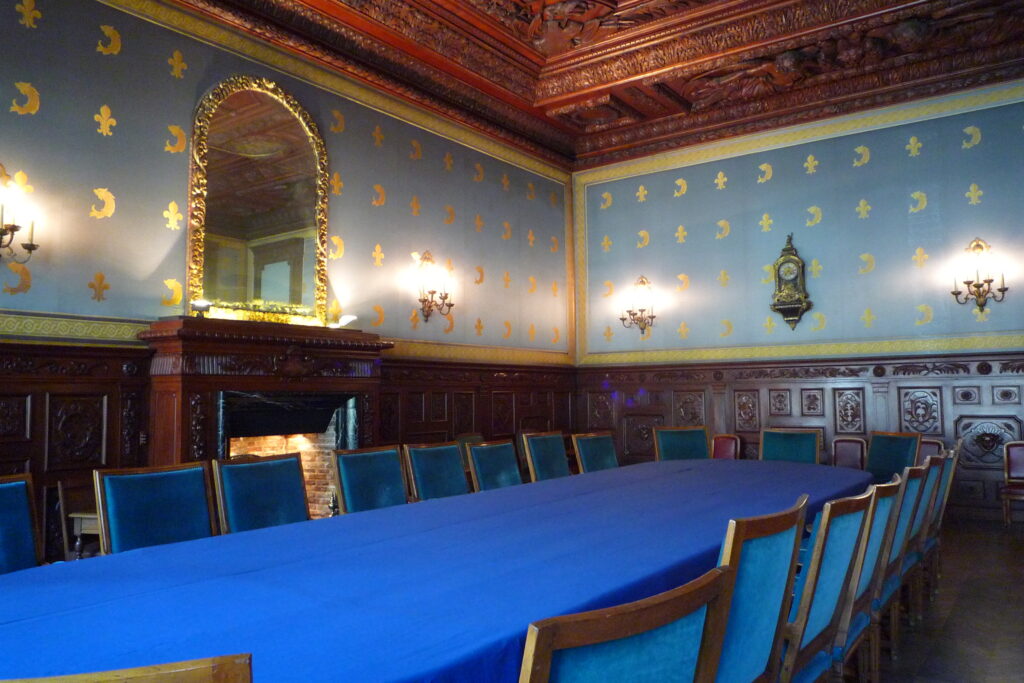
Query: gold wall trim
pixel 475 354
pixel 67 329
pixel 218 36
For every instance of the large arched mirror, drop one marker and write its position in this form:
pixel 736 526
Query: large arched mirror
pixel 258 216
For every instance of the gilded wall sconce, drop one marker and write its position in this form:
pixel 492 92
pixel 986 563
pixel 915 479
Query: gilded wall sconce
pixel 640 313
pixel 433 287
pixel 979 290
pixel 15 211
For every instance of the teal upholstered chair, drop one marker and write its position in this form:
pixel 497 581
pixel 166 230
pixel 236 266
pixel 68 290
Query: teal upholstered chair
pixel 823 586
pixel 435 470
pixel 493 465
pixel 672 636
pixel 763 550
pixel 854 626
pixel 595 451
pixel 681 443
pixel 369 478
pixel 890 452
pixel 931 541
pixel 146 506
pixel 912 568
pixel 464 440
pixel 19 543
pixel 257 492
pixel 545 455
pixel 794 445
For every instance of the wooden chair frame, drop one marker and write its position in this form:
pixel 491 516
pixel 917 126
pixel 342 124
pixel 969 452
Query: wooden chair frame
pixel 218 483
pixel 919 460
pixel 730 437
pixel 622 621
pixel 794 430
pixel 528 450
pixel 589 435
pixel 872 435
pixel 406 455
pixel 1007 496
pixel 931 556
pixel 742 530
pixel 657 448
pixel 33 516
pixel 863 449
pixel 472 464
pixel 222 669
pixel 916 543
pixel 99 476
pixel 336 471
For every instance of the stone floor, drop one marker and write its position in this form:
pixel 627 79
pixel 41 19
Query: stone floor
pixel 973 632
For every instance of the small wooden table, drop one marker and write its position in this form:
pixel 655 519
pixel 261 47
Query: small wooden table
pixel 83 523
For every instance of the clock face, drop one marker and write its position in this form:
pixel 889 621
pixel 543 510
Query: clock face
pixel 788 271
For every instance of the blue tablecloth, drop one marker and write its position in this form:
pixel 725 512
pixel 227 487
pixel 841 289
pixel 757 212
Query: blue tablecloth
pixel 439 590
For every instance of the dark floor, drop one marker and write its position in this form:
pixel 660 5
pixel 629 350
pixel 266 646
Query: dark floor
pixel 973 631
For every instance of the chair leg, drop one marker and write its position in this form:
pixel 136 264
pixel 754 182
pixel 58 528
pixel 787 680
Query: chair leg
pixel 864 662
pixel 916 588
pixel 875 643
pixel 894 627
pixel 1006 512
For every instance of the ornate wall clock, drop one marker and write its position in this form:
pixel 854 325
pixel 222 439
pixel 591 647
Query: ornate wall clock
pixel 790 298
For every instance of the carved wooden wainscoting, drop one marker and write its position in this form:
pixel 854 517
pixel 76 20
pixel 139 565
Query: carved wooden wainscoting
pixel 976 397
pixel 423 402
pixel 65 411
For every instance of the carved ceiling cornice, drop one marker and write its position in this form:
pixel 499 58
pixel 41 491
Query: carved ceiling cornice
pixel 588 82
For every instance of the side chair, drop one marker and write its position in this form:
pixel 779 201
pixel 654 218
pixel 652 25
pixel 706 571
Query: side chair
pixel 545 455
pixel 1012 487
pixel 725 447
pixel 672 636
pixel 144 506
pixel 931 545
pixel 595 451
pixel 793 445
pixel 369 478
pixel 20 546
pixel 912 570
pixel 435 470
pixel 928 448
pixel 253 493
pixel 493 465
pixel 681 443
pixel 849 451
pixel 223 669
pixel 890 452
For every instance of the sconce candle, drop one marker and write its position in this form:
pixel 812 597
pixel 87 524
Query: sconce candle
pixel 980 290
pixel 434 295
pixel 13 202
pixel 640 314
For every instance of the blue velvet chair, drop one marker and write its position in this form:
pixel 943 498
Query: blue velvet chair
pixel 671 636
pixel 912 568
pixel 890 452
pixel 764 551
pixel 493 465
pixel 854 627
pixel 595 451
pixel 369 478
pixel 545 455
pixel 144 506
pixel 932 540
pixel 793 445
pixel 435 470
pixel 823 587
pixel 19 543
pixel 681 443
pixel 257 492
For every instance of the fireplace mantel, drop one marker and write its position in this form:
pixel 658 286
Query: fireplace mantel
pixel 196 358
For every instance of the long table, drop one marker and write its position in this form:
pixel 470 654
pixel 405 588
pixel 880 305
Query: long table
pixel 441 590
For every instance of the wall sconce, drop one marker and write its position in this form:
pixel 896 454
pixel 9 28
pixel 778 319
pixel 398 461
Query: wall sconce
pixel 12 201
pixel 432 282
pixel 640 314
pixel 979 289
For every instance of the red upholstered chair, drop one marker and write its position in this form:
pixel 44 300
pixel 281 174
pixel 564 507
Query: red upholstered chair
pixel 1013 476
pixel 849 451
pixel 725 447
pixel 927 449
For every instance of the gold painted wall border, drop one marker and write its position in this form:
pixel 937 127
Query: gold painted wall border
pixel 212 34
pixel 17 326
pixel 466 353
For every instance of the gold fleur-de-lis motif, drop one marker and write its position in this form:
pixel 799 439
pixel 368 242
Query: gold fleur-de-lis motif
pixel 608 334
pixel 641 194
pixel 811 164
pixel 606 243
pixel 339 122
pixel 449 266
pixel 530 237
pixel 178 145
pixel 173 216
pixel 868 318
pixel 378 136
pixel 919 257
pixel 720 180
pixel 507 279
pixel 974 194
pixel 414 318
pixel 816 268
pixel 531 332
pixel 336 183
pixel 29 13
pixel 505 182
pixel 913 146
pixel 507 233
pixel 769 325
pixel 177 63
pixel 554 288
pixel 531 191
pixel 981 315
pixel 681 234
pixel 479 223
pixel 723 278
pixel 105 120
pixel 378 256
pixel 553 198
pixel 683 331
pixel 479 327
pixel 415 205
pixel 863 209
pixel 766 223
pixel 114 46
pixel 448 161
pixel 417 150
pixel 99 287
pixel 532 284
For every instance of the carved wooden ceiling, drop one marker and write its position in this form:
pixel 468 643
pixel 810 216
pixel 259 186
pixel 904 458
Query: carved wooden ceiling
pixel 588 82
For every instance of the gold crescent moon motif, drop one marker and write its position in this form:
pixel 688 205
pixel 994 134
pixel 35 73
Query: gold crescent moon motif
pixel 819 322
pixel 24 279
pixel 417 150
pixel 611 289
pixel 767 168
pixel 114 46
pixel 479 175
pixel 554 244
pixel 865 155
pixel 607 200
pixel 645 239
pixel 815 218
pixel 926 315
pixel 554 340
pixel 727 324
pixel 339 121
pixel 681 184
pixel 179 140
pixel 646 334
pixel 975 137
pixel 31 105
pixel 109 203
pixel 382 196
pixel 379 310
pixel 922 201
pixel 533 284
pixel 769 275
pixel 339 248
pixel 175 298
pixel 725 229
pixel 684 282
pixel 508 330
pixel 450 218
pixel 507 234
pixel 869 264
pixel 480 272
pixel 451 323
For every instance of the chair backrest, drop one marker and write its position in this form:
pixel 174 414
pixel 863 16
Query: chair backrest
pixel 725 447
pixel 369 478
pixel 267 491
pixel 890 452
pixel 1013 462
pixel 681 443
pixel 895 545
pixel 764 552
pixel 826 579
pixel 493 465
pixel 794 445
pixel 223 669
pixel 435 470
pixel 595 451
pixel 927 448
pixel 926 503
pixel 19 543
pixel 545 455
pixel 464 440
pixel 75 498
pixel 144 506
pixel 672 636
pixel 849 451
pixel 945 485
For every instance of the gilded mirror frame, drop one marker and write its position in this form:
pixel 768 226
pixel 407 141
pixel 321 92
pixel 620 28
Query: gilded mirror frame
pixel 198 182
